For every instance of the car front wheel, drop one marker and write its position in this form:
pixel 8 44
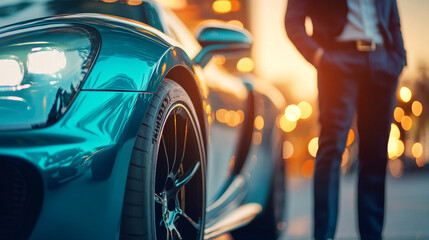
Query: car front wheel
pixel 165 189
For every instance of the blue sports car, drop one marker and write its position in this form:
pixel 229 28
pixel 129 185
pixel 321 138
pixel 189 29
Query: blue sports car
pixel 116 124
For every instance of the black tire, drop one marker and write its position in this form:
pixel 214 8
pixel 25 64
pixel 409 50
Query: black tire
pixel 165 189
pixel 271 223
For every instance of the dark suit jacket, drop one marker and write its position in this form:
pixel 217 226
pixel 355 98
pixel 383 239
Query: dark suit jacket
pixel 329 18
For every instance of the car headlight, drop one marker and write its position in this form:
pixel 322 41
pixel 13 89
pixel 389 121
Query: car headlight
pixel 41 70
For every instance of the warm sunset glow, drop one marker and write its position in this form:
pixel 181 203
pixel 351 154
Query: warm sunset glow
pixel 134 2
pixel 222 6
pixel 307 168
pixel 306 109
pixel 350 137
pixel 396 168
pixel 417 150
pixel 293 113
pixel 417 108
pixel 398 114
pixel 286 125
pixel 287 149
pixel 245 65
pixel 394 131
pixel 313 146
pixel 405 94
pixel 406 123
pixel 259 122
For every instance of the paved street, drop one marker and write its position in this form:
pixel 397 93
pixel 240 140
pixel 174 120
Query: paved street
pixel 407 208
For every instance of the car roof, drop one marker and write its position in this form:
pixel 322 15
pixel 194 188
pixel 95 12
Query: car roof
pixel 13 11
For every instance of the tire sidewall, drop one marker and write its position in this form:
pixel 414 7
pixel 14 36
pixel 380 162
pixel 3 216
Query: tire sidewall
pixel 168 96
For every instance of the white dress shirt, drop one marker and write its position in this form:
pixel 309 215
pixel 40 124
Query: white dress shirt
pixel 362 22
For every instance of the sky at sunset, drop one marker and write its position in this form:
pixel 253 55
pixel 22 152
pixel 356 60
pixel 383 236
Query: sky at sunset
pixel 278 61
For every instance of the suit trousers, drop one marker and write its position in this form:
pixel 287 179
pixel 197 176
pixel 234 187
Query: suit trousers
pixel 352 82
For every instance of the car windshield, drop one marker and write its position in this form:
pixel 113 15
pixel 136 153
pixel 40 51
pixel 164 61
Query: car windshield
pixel 13 11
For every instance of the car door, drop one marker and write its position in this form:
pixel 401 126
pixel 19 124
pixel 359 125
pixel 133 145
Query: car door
pixel 227 105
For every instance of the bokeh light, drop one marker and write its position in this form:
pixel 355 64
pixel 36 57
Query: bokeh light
pixel 350 137
pixel 307 168
pixel 134 2
pixel 306 109
pixel 174 4
pixel 221 115
pixel 406 123
pixel 345 158
pixel 259 122
pixel 417 150
pixel 398 114
pixel 394 131
pixel 395 148
pixel 210 120
pixel 234 119
pixel 208 109
pixel 286 125
pixel 245 65
pixel 236 23
pixel 313 146
pixel 222 6
pixel 241 115
pixel 235 5
pixel 396 168
pixel 417 108
pixel 405 94
pixel 231 118
pixel 293 113
pixel 420 162
pixel 287 149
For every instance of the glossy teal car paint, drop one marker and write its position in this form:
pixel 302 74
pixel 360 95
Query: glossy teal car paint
pixel 93 108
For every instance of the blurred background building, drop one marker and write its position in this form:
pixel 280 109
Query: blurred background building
pixel 274 59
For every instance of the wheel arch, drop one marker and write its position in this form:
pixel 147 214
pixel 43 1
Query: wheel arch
pixel 183 76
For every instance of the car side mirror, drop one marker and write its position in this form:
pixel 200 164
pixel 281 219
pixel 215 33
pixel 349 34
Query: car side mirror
pixel 221 39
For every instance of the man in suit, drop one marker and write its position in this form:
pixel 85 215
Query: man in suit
pixel 358 51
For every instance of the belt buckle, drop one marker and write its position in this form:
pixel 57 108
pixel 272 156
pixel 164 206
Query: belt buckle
pixel 365 46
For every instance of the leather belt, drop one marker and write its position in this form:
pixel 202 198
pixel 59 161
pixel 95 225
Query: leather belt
pixel 359 45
